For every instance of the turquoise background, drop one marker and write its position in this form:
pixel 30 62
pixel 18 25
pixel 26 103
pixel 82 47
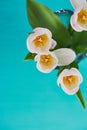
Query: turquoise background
pixel 30 100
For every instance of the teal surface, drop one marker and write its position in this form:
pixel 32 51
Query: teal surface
pixel 30 100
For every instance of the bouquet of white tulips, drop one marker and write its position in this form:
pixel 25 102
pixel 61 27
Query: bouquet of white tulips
pixel 52 45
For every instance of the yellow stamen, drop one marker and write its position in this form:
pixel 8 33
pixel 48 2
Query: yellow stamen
pixel 41 40
pixel 70 81
pixel 46 60
pixel 82 17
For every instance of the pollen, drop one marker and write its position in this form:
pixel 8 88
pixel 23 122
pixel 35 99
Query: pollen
pixel 82 17
pixel 70 81
pixel 41 40
pixel 46 60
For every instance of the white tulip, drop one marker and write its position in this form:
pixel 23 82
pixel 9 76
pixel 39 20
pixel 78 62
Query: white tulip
pixel 70 80
pixel 46 62
pixel 40 41
pixel 65 56
pixel 79 18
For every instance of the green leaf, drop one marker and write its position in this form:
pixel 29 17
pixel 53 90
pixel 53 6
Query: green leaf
pixel 61 69
pixel 81 49
pixel 80 97
pixel 30 56
pixel 78 38
pixel 41 16
pixel 74 65
pixel 30 33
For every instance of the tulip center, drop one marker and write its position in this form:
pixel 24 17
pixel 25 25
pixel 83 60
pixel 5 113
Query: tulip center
pixel 82 17
pixel 46 60
pixel 70 81
pixel 41 40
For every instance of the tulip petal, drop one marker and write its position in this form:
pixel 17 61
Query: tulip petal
pixel 40 29
pixel 72 92
pixel 74 23
pixel 53 44
pixel 77 3
pixel 65 56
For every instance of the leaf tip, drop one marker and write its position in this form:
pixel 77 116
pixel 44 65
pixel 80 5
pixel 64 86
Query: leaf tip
pixel 80 97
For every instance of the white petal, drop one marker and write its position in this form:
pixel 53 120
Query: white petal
pixel 74 71
pixel 53 44
pixel 65 56
pixel 74 23
pixel 43 70
pixel 77 3
pixel 41 30
pixel 30 46
pixel 36 58
pixel 38 33
pixel 70 92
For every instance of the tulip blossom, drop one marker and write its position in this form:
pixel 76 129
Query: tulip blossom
pixel 46 62
pixel 70 80
pixel 40 41
pixel 79 18
pixel 65 56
